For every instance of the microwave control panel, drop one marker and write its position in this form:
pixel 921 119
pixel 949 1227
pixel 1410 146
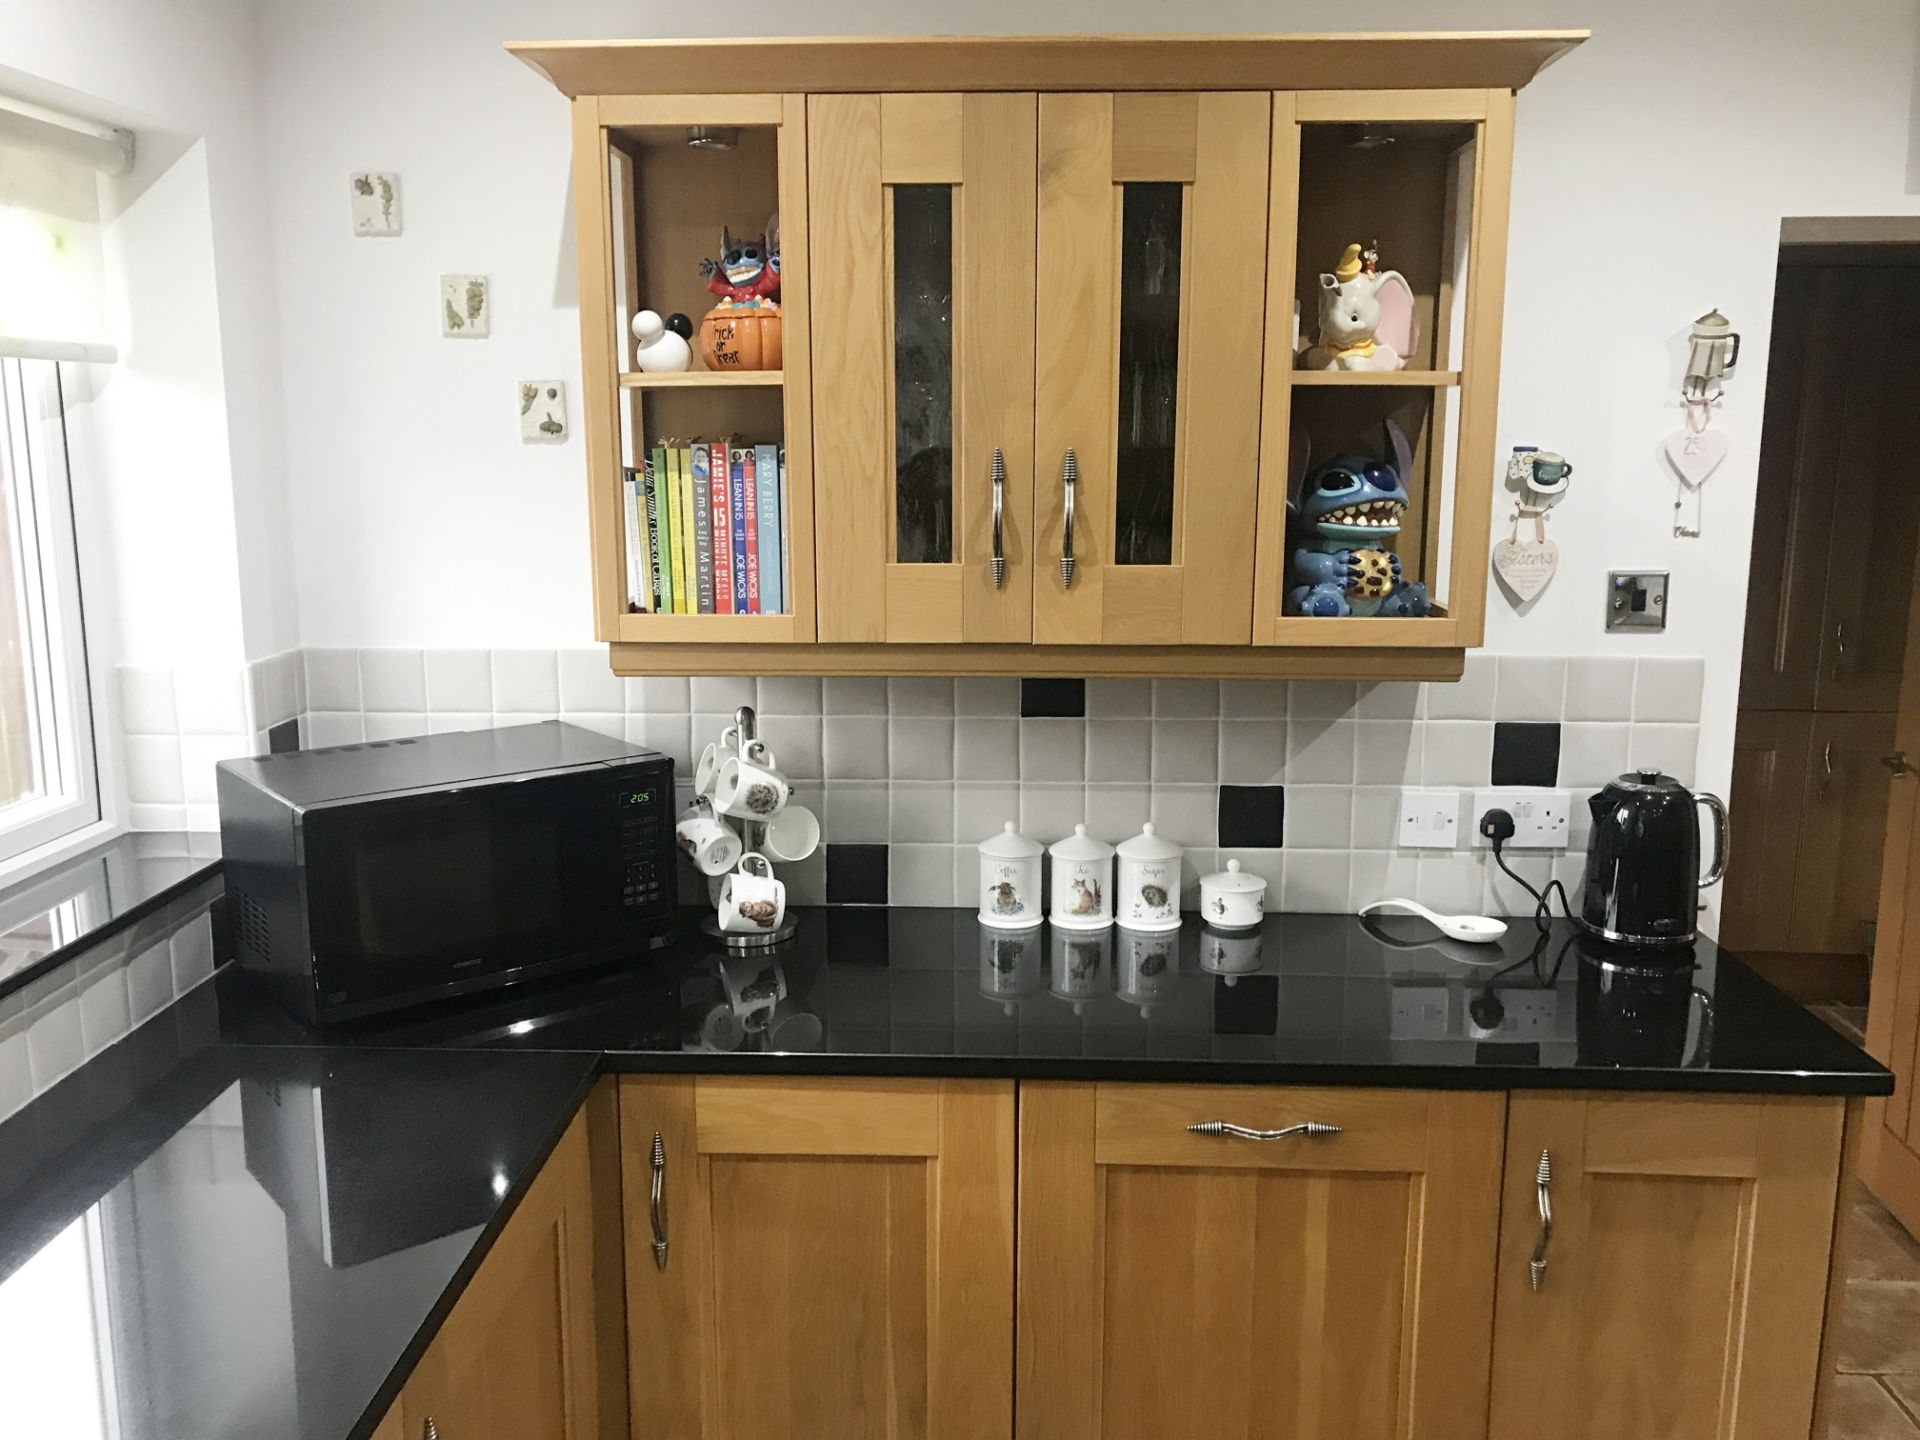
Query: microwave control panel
pixel 644 855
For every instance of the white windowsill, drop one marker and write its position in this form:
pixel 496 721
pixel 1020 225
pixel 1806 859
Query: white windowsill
pixel 30 863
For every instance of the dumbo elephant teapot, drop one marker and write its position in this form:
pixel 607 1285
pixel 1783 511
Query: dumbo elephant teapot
pixel 1366 317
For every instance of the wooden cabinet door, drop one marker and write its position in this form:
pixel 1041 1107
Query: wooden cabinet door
pixel 1843 819
pixel 838 1261
pixel 516 1360
pixel 1771 750
pixel 1328 1287
pixel 923 224
pixel 1685 1278
pixel 1150 301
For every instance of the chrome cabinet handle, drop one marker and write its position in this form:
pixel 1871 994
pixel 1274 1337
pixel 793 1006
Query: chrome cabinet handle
pixel 1839 646
pixel 657 1202
pixel 1069 482
pixel 429 1431
pixel 1241 1132
pixel 999 547
pixel 1543 1193
pixel 1826 762
pixel 1897 763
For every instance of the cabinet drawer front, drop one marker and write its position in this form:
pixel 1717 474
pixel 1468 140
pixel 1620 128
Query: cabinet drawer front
pixel 818 1117
pixel 1147 1125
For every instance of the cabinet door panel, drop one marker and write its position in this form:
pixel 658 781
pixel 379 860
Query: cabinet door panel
pixel 1151 273
pixel 1843 818
pixel 1685 1278
pixel 923 211
pixel 848 1274
pixel 1292 1289
pixel 1770 758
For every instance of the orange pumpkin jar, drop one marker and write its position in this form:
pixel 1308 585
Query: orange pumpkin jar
pixel 737 336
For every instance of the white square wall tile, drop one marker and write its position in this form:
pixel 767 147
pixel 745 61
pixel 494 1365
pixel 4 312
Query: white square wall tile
pixel 1119 752
pixel 980 811
pixel 1381 875
pixel 856 747
pixel 1185 814
pixel 671 735
pixel 920 874
pixel 1319 817
pixel 393 681
pixel 1376 816
pixel 153 770
pixel 198 756
pixel 1530 687
pixel 1186 752
pixel 613 726
pixel 855 695
pixel 1049 812
pixel 1053 750
pixel 1468 698
pixel 789 695
pixel 210 700
pixel 526 682
pixel 146 701
pixel 986 695
pixel 1591 754
pixel 919 695
pixel 1116 812
pixel 1387 752
pixel 1457 752
pixel 1253 699
pixel 1668 690
pixel 1390 700
pixel 1321 699
pixel 1316 882
pixel 458 682
pixel 857 813
pixel 1253 752
pixel 333 680
pixel 723 694
pixel 321 729
pixel 1671 748
pixel 920 748
pixel 587 682
pixel 659 694
pixel 1111 698
pixel 1599 687
pixel 1320 752
pixel 797 744
pixel 921 812
pixel 1187 699
pixel 986 748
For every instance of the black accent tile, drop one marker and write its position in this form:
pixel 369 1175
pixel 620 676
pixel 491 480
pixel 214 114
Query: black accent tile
pixel 1252 817
pixel 283 737
pixel 1525 752
pixel 1053 698
pixel 856 874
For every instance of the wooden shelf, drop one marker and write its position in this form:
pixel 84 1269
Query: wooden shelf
pixel 1413 379
pixel 700 379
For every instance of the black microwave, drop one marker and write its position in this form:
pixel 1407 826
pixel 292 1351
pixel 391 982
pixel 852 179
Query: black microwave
pixel 367 878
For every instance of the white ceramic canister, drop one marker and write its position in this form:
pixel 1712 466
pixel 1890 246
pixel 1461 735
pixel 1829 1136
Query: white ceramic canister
pixel 1010 881
pixel 1082 882
pixel 1231 899
pixel 1147 893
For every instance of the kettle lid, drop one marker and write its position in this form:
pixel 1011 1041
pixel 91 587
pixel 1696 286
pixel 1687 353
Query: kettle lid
pixel 1646 780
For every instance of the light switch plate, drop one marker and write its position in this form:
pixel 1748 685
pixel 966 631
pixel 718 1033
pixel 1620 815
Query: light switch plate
pixel 1429 819
pixel 1636 600
pixel 1540 817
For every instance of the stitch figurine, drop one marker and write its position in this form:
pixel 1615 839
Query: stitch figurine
pixel 1342 522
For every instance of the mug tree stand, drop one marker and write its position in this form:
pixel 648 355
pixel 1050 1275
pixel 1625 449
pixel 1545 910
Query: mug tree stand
pixel 753 834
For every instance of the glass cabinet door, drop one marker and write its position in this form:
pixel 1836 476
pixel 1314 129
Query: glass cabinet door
pixel 923 218
pixel 1152 266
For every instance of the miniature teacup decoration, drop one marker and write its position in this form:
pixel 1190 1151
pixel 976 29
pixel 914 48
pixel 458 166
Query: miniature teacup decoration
pixel 1231 899
pixel 708 840
pixel 1010 880
pixel 752 900
pixel 1082 882
pixel 1147 896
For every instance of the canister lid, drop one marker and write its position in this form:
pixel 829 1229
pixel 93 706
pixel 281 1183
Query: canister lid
pixel 1081 846
pixel 1234 881
pixel 1149 846
pixel 1009 844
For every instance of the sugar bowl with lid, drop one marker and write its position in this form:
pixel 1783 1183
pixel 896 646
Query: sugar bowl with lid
pixel 1233 899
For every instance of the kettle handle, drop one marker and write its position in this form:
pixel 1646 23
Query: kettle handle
pixel 1718 808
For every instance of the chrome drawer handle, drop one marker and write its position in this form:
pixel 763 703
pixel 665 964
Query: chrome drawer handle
pixel 1241 1132
pixel 1069 482
pixel 999 546
pixel 657 1204
pixel 429 1431
pixel 1543 1194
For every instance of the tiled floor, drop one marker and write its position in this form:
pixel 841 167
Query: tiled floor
pixel 1877 1392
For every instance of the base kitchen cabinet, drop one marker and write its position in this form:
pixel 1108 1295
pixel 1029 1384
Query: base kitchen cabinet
pixel 518 1357
pixel 825 1257
pixel 1681 1289
pixel 1175 1283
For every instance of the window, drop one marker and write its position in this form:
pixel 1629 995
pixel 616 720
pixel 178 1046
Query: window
pixel 49 785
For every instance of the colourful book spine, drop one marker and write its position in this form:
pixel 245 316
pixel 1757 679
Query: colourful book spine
pixel 766 480
pixel 786 536
pixel 742 462
pixel 667 507
pixel 702 533
pixel 684 599
pixel 632 546
pixel 737 524
pixel 650 506
pixel 722 528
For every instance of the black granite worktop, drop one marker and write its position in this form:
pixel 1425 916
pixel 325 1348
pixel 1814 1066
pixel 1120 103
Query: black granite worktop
pixel 1319 999
pixel 262 1239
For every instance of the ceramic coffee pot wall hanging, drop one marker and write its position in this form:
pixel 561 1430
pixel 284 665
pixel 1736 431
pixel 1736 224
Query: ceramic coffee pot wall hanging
pixel 1696 450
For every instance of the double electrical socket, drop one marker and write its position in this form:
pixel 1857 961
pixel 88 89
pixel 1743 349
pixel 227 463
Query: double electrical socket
pixel 1431 819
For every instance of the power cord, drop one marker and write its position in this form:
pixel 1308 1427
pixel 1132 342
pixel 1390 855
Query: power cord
pixel 1497 826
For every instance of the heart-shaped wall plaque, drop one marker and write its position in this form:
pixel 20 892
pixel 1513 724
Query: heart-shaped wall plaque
pixel 1695 455
pixel 1525 566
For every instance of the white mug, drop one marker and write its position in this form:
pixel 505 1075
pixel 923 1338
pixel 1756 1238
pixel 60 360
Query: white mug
pixel 752 900
pixel 706 770
pixel 793 834
pixel 749 787
pixel 708 840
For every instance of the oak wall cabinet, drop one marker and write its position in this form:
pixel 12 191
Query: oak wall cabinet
pixel 1041 301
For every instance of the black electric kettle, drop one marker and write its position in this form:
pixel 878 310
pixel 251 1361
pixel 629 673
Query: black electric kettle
pixel 1643 878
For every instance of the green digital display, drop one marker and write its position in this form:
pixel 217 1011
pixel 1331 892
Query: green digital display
pixel 636 797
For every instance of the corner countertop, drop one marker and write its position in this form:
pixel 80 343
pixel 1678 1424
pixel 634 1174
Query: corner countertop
pixel 261 1232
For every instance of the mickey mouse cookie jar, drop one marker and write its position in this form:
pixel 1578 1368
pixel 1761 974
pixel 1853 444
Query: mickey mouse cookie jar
pixel 1231 899
pixel 1010 880
pixel 1082 882
pixel 1148 890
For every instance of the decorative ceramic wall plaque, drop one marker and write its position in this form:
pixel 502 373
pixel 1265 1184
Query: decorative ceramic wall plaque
pixel 376 202
pixel 543 411
pixel 465 313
